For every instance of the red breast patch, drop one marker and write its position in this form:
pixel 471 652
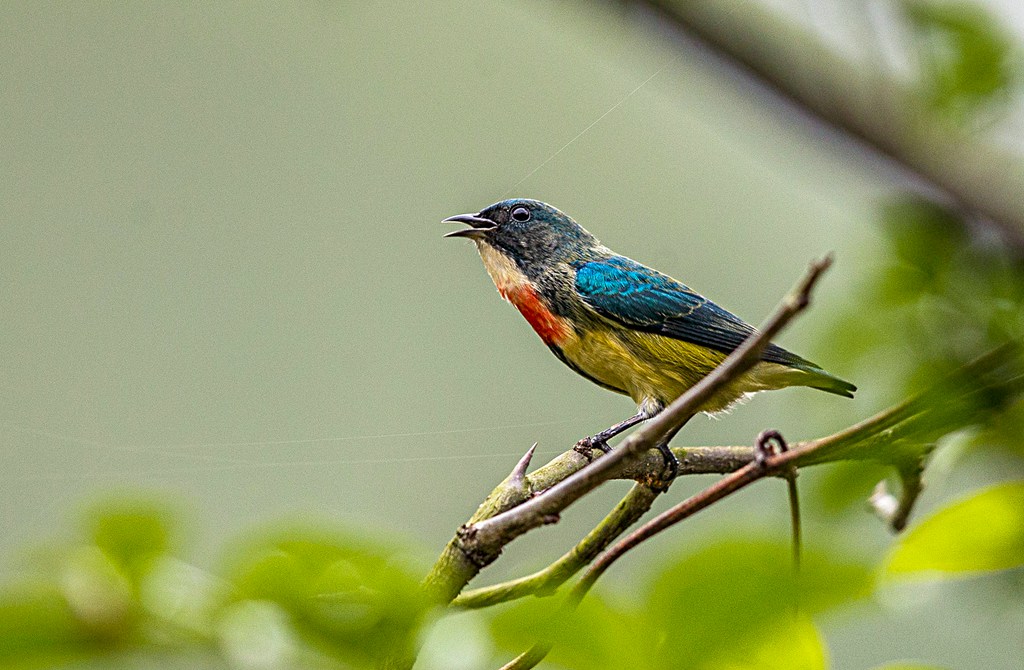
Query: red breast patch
pixel 551 328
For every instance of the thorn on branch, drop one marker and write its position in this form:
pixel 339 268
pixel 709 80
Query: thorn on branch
pixel 518 475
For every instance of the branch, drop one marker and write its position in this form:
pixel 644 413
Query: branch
pixel 907 431
pixel 885 115
pixel 478 543
pixel 769 465
pixel 901 436
pixel 629 510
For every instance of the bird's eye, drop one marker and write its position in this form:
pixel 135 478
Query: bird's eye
pixel 521 214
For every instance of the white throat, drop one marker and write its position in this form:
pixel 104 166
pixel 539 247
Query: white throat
pixel 503 271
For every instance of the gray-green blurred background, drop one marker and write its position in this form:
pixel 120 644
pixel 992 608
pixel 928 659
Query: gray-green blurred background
pixel 223 283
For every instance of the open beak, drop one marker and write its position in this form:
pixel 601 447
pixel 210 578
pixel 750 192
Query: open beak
pixel 479 225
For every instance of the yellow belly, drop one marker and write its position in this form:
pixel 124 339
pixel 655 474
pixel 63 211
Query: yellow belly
pixel 651 367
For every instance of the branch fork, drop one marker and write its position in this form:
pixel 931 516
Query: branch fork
pixel 901 436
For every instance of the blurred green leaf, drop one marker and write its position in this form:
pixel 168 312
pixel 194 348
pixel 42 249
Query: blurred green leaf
pixel 792 644
pixel 845 486
pixel 98 592
pixel 132 534
pixel 37 624
pixel 909 666
pixel 982 533
pixel 181 595
pixel 965 53
pixel 594 635
pixel 744 590
pixel 458 641
pixel 345 596
pixel 944 297
pixel 257 634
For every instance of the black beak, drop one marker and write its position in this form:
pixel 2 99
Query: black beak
pixel 480 225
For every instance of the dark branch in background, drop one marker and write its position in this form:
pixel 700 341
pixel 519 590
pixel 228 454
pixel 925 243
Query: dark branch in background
pixel 885 115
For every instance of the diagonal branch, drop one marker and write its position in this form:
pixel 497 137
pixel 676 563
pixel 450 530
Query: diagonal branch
pixel 629 510
pixel 537 511
pixel 478 543
pixel 771 465
pixel 901 436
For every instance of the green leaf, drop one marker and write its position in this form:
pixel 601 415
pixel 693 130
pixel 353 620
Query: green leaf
pixel 347 597
pixel 37 623
pixel 747 590
pixel 594 635
pixel 132 535
pixel 982 533
pixel 792 645
pixel 966 55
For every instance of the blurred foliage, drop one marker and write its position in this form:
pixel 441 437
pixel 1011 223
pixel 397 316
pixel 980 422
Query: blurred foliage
pixel 956 294
pixel 741 600
pixel 966 57
pixel 120 597
pixel 736 604
pixel 295 598
pixel 984 532
pixel 946 295
pixel 345 597
pixel 120 594
pixel 596 634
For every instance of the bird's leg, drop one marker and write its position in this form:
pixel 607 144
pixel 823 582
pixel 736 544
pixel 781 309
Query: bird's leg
pixel 600 440
pixel 671 462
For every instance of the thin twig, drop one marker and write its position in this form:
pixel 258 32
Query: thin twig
pixel 771 442
pixel 773 464
pixel 896 511
pixel 796 525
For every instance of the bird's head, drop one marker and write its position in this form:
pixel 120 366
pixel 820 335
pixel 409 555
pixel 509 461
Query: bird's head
pixel 531 233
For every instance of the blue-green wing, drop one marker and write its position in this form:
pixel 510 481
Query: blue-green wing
pixel 638 297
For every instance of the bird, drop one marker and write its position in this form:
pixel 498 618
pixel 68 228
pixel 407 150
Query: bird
pixel 620 324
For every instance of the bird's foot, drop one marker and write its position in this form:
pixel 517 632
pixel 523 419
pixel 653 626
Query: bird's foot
pixel 587 445
pixel 669 474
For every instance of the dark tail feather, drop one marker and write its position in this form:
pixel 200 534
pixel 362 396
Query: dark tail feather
pixel 819 379
pixel 828 382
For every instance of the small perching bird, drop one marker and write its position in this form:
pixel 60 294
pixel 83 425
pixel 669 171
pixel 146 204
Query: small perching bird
pixel 620 324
